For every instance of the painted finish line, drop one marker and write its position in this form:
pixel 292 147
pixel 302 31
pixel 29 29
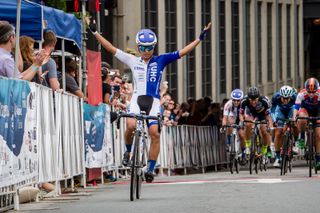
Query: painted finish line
pixel 239 180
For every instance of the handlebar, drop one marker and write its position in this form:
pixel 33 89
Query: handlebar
pixel 285 120
pixel 139 117
pixel 236 126
pixel 256 122
pixel 308 118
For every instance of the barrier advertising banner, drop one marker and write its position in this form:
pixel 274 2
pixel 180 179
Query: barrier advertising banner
pixel 97 135
pixel 18 127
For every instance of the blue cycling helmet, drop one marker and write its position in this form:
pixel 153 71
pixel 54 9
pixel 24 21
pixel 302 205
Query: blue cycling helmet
pixel 146 37
pixel 237 94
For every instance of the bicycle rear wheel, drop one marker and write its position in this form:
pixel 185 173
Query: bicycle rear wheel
pixel 134 167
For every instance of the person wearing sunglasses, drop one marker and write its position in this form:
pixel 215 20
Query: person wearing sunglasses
pixel 282 107
pixel 256 107
pixel 231 116
pixel 147 72
pixel 308 104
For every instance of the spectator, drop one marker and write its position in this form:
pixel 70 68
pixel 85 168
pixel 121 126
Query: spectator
pixel 213 117
pixel 48 46
pixel 7 43
pixel 183 114
pixel 71 84
pixel 27 53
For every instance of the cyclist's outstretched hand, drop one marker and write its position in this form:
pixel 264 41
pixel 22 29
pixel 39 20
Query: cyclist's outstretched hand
pixel 205 31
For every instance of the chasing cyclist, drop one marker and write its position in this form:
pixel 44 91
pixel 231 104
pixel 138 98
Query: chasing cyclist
pixel 147 73
pixel 308 104
pixel 255 107
pixel 231 116
pixel 282 108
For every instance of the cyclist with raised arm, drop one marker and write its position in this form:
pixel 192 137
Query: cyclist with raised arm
pixel 255 107
pixel 308 105
pixel 231 116
pixel 282 108
pixel 147 74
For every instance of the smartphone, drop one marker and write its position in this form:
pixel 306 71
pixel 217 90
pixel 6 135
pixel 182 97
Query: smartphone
pixel 116 88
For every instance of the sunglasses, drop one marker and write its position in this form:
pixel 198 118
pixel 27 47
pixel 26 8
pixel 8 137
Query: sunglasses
pixel 286 98
pixel 146 48
pixel 254 99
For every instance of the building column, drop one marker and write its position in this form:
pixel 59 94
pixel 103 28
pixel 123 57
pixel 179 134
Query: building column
pixel 284 43
pixel 228 15
pixel 301 45
pixel 215 77
pixel 182 78
pixel 254 42
pixel 293 42
pixel 264 46
pixel 275 44
pixel 198 53
pixel 161 31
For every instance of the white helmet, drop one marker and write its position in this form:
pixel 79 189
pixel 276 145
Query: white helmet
pixel 146 37
pixel 286 91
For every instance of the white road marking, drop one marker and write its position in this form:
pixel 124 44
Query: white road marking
pixel 256 180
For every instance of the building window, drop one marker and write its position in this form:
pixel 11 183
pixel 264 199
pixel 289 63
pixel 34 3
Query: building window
pixel 151 16
pixel 206 49
pixel 222 47
pixel 248 42
pixel 280 41
pixel 288 42
pixel 269 33
pixel 235 45
pixel 171 44
pixel 191 60
pixel 259 55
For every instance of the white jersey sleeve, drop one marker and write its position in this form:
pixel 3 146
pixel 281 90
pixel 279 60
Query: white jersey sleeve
pixel 125 58
pixel 227 109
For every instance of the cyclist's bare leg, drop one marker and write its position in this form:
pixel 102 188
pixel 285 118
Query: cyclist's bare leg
pixel 241 134
pixel 230 122
pixel 248 127
pixel 278 139
pixel 302 123
pixel 266 138
pixel 131 125
pixel 155 142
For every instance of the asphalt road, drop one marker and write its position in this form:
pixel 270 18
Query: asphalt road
pixel 210 192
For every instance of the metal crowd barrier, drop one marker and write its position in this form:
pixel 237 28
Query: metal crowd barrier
pixel 190 147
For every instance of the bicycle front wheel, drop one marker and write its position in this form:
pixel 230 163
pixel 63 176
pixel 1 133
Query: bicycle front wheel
pixel 310 152
pixel 134 166
pixel 141 160
pixel 284 155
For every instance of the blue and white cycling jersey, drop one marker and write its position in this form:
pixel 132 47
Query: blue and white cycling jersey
pixel 280 110
pixel 276 102
pixel 147 76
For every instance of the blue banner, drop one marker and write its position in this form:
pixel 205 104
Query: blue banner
pixel 94 119
pixel 13 108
